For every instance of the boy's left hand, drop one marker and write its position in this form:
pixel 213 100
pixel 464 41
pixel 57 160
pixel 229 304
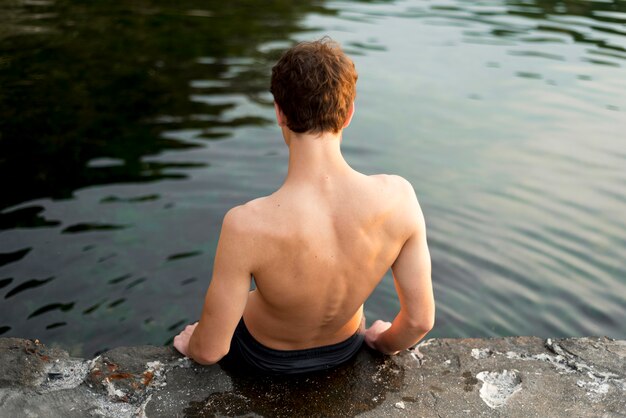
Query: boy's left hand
pixel 181 341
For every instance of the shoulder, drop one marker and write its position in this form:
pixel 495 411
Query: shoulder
pixel 245 218
pixel 237 237
pixel 239 216
pixel 396 185
pixel 402 199
pixel 391 180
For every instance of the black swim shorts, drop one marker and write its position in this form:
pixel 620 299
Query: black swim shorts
pixel 248 355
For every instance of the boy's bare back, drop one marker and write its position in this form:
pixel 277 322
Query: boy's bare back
pixel 320 252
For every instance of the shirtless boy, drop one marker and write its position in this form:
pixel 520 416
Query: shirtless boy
pixel 318 246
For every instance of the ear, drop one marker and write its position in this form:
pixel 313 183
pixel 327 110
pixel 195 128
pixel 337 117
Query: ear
pixel 280 116
pixel 349 118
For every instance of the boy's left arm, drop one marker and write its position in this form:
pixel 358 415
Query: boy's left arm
pixel 208 340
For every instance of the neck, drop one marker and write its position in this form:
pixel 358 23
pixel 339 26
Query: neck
pixel 314 158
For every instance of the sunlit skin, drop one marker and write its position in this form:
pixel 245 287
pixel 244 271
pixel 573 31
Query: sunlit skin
pixel 317 248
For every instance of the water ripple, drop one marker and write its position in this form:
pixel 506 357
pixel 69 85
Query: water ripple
pixel 30 284
pixel 12 257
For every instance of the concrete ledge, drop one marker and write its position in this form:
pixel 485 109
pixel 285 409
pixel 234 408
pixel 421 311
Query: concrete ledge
pixel 512 377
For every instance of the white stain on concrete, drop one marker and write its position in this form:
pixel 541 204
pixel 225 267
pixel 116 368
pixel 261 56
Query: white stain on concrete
pixel 64 373
pixel 480 353
pixel 498 387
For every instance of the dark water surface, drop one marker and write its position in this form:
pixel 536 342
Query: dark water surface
pixel 127 130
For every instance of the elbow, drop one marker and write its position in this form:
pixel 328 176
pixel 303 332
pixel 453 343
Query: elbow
pixel 422 325
pixel 206 359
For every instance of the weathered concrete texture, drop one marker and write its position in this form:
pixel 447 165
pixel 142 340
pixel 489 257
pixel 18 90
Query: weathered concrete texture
pixel 508 377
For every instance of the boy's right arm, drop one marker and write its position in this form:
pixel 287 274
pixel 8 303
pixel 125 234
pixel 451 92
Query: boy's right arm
pixel 412 279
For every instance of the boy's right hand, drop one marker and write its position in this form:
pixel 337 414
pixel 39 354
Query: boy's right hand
pixel 373 332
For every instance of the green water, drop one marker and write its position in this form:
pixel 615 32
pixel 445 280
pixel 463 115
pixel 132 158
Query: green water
pixel 127 131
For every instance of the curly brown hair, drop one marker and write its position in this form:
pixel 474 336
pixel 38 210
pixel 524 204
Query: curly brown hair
pixel 314 84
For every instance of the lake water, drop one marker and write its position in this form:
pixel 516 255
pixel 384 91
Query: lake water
pixel 128 130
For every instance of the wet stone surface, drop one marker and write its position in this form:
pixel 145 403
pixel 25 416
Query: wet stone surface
pixel 353 388
pixel 512 377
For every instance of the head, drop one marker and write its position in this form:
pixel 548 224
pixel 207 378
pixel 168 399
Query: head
pixel 314 86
